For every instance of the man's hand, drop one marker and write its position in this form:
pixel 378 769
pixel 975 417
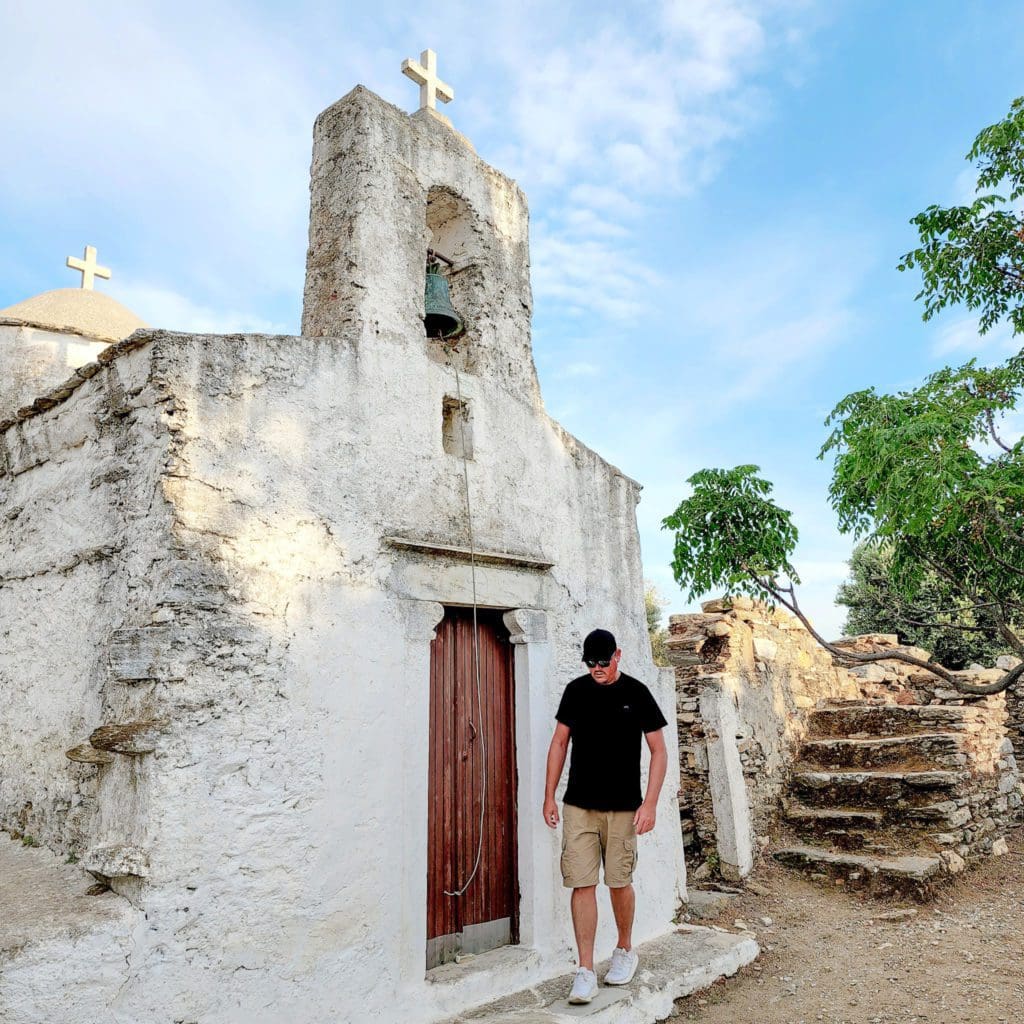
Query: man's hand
pixel 550 813
pixel 643 820
pixel 556 762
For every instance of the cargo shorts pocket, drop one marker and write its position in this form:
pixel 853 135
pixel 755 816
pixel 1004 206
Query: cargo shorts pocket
pixel 620 862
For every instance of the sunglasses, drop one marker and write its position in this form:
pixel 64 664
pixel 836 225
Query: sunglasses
pixel 595 662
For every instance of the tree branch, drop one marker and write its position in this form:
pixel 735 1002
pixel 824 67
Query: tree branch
pixel 1016 570
pixel 942 625
pixel 990 418
pixel 794 607
pixel 977 690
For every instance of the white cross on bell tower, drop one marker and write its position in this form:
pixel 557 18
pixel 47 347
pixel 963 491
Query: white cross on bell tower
pixel 424 74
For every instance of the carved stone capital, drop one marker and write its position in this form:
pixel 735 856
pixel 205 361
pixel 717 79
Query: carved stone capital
pixel 526 625
pixel 421 618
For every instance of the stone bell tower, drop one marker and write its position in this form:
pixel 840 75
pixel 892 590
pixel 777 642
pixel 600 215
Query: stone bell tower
pixel 386 187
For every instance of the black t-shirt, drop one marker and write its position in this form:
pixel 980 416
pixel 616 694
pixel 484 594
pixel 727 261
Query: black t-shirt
pixel 606 723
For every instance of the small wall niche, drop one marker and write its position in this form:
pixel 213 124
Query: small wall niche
pixel 456 428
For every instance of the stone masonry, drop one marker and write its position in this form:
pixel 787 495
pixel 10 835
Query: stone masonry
pixel 865 763
pixel 767 666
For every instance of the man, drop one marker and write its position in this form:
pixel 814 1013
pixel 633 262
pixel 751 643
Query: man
pixel 604 714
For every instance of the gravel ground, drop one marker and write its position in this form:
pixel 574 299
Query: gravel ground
pixel 832 956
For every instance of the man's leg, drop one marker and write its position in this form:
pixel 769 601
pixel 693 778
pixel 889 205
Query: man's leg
pixel 584 923
pixel 624 907
pixel 581 864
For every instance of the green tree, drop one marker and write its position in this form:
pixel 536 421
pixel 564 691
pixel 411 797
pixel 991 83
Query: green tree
pixel 974 255
pixel 930 473
pixel 955 633
pixel 653 605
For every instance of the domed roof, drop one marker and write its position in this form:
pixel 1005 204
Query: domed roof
pixel 76 311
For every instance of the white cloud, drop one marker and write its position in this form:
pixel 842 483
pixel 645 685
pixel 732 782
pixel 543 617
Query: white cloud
pixel 177 143
pixel 591 275
pixel 768 308
pixel 186 136
pixel 759 360
pixel 639 107
pixel 606 200
pixel 964 191
pixel 961 339
pixel 171 311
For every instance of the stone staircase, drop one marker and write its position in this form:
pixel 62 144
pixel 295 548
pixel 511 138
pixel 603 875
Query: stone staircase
pixel 880 797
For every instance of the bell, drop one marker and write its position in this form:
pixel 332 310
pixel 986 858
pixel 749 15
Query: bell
pixel 440 319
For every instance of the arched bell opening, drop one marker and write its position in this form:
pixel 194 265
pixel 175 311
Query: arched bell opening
pixel 451 278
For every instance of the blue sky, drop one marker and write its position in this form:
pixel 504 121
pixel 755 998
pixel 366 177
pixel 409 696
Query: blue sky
pixel 720 192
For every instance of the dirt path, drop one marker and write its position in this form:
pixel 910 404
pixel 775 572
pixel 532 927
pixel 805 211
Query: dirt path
pixel 831 956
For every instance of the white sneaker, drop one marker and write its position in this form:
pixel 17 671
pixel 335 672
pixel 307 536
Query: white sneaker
pixel 624 964
pixel 584 986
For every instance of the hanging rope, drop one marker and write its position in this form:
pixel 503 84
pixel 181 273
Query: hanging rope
pixel 476 637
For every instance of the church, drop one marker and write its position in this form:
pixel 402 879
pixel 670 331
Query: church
pixel 287 619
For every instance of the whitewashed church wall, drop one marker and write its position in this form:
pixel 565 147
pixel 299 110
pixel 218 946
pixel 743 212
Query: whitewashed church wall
pixel 286 802
pixel 252 605
pixel 33 360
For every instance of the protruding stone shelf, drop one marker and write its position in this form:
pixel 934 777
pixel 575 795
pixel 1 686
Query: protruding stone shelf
pixel 116 860
pixel 429 547
pixel 132 738
pixel 86 753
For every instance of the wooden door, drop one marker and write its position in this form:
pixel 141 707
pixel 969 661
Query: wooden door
pixel 462 728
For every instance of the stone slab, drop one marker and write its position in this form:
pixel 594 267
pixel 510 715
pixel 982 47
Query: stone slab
pixel 705 904
pixel 675 965
pixel 915 868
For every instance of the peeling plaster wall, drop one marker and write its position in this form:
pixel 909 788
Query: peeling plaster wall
pixel 385 187
pixel 82 532
pixel 298 802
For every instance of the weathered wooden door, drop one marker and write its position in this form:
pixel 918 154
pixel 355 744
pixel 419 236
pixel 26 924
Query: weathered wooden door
pixel 463 728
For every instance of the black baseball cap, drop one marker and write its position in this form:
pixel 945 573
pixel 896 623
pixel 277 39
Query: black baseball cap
pixel 599 645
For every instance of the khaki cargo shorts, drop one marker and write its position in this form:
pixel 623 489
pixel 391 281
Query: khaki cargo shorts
pixel 590 838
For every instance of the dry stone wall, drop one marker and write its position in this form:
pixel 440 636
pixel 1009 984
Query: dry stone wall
pixel 1015 709
pixel 989 800
pixel 771 669
pixel 772 672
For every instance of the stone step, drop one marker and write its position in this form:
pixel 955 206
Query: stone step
pixel 827 818
pixel 874 789
pixel 827 822
pixel 873 720
pixel 936 749
pixel 840 828
pixel 912 876
pixel 680 963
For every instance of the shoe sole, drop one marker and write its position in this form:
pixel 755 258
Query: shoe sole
pixel 625 981
pixel 580 1000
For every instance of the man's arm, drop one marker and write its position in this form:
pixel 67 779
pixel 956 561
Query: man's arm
pixel 556 762
pixel 645 816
